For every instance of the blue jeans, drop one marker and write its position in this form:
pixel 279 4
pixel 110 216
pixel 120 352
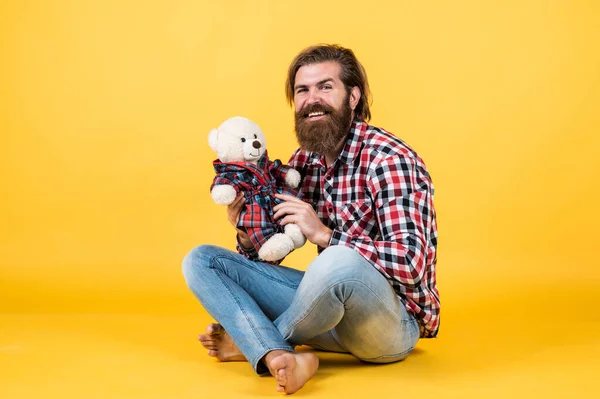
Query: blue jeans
pixel 341 304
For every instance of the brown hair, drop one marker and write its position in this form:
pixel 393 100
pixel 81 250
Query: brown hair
pixel 352 73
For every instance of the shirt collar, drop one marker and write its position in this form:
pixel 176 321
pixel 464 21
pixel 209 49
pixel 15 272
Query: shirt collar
pixel 262 164
pixel 353 142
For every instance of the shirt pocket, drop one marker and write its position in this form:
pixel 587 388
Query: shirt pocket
pixel 357 218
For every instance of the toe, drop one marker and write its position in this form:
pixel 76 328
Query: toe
pixel 281 377
pixel 214 329
pixel 207 341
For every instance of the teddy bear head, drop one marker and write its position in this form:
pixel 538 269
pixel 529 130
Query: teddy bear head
pixel 238 140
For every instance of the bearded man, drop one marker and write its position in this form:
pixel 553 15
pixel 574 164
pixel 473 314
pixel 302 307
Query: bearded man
pixel 368 206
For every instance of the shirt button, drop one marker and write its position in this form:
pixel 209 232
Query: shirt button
pixel 328 178
pixel 330 209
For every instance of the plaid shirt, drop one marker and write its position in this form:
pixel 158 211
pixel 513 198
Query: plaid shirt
pixel 258 184
pixel 377 197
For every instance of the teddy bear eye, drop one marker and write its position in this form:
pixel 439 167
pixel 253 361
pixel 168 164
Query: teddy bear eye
pixel 255 136
pixel 243 140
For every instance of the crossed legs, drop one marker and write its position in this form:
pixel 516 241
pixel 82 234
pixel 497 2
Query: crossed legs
pixel 340 304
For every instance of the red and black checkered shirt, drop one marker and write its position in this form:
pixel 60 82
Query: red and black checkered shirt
pixel 377 197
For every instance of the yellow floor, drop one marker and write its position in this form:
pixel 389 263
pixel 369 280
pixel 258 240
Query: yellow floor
pixel 486 351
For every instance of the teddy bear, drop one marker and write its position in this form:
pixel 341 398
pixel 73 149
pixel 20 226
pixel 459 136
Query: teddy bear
pixel 243 166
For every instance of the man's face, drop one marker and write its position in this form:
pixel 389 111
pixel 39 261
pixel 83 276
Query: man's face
pixel 322 107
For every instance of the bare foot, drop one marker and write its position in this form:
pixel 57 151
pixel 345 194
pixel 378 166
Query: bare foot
pixel 293 370
pixel 220 344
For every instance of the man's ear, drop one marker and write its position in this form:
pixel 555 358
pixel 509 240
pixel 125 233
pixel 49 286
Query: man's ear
pixel 354 97
pixel 212 139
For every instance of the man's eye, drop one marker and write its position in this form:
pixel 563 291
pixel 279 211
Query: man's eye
pixel 300 91
pixel 326 87
pixel 243 140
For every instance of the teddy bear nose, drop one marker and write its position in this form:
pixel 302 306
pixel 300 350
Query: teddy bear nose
pixel 256 144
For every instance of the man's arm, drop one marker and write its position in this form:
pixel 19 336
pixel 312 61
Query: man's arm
pixel 244 245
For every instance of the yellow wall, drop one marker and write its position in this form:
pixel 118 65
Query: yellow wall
pixel 105 107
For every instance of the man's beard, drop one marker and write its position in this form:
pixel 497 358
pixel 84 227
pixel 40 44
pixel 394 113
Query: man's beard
pixel 325 135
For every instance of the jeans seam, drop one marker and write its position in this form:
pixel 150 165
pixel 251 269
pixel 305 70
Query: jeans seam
pixel 333 336
pixel 403 353
pixel 254 270
pixel 235 298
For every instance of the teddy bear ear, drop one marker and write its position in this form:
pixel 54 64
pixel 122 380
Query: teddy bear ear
pixel 212 139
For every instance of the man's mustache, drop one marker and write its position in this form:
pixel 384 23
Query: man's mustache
pixel 315 107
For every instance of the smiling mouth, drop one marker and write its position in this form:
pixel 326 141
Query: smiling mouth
pixel 315 114
pixel 257 153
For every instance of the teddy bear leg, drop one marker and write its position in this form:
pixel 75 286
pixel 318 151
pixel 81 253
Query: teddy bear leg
pixel 276 247
pixel 294 232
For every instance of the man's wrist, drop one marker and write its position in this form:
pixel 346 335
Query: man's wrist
pixel 244 240
pixel 323 241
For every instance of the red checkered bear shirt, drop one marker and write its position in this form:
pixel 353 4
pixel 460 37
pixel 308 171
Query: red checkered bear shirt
pixel 259 183
pixel 377 197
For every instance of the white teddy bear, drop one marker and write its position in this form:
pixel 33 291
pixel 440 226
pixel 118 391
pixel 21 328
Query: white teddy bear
pixel 243 166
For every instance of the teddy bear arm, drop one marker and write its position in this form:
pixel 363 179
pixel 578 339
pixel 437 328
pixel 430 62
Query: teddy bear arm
pixel 223 194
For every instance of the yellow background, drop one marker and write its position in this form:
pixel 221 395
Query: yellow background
pixel 105 108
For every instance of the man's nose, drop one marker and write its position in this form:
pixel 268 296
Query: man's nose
pixel 256 144
pixel 313 97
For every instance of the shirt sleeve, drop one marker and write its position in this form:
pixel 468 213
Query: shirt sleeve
pixel 278 170
pixel 403 206
pixel 298 161
pixel 223 179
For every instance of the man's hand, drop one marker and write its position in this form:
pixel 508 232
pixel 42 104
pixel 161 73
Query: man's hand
pixel 233 215
pixel 294 210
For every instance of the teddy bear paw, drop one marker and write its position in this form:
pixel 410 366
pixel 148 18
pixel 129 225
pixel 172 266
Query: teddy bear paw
pixel 223 194
pixel 276 248
pixel 292 178
pixel 294 232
